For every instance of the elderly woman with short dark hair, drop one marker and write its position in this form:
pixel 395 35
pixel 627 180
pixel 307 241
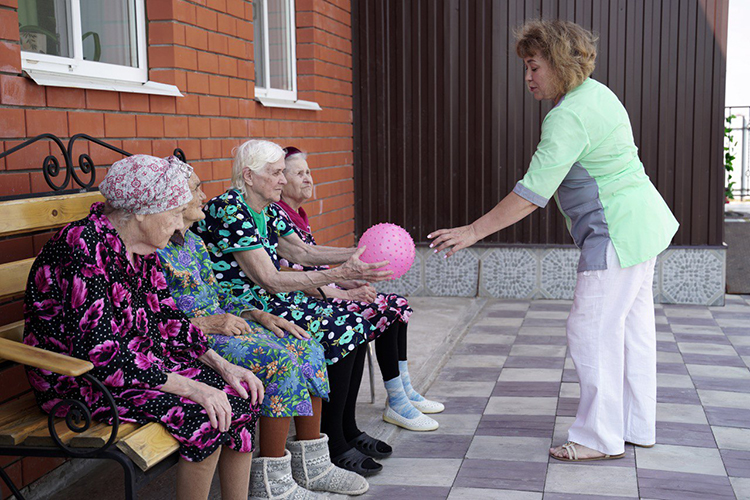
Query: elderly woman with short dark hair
pixel 96 292
pixel 389 313
pixel 588 160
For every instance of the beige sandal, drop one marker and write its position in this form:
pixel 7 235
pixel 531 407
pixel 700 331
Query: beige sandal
pixel 570 447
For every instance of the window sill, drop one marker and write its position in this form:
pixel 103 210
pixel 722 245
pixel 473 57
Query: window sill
pixel 270 102
pixel 52 79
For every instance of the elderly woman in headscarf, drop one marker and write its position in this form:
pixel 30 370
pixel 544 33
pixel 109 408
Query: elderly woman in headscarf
pixel 96 292
pixel 290 364
pixel 246 237
pixel 587 159
pixel 388 312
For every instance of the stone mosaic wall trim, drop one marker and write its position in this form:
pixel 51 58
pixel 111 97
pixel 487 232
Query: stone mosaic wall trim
pixel 681 275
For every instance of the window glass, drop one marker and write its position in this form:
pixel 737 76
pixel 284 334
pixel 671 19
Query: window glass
pixel 44 27
pixel 258 45
pixel 109 32
pixel 279 44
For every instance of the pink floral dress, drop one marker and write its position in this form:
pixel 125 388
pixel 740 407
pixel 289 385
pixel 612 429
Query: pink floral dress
pixel 85 299
pixel 386 309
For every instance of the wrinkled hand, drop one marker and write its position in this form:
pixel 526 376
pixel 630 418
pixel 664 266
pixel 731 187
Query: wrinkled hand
pixel 349 284
pixel 354 269
pixel 366 293
pixel 278 325
pixel 243 381
pixel 458 238
pixel 215 402
pixel 224 324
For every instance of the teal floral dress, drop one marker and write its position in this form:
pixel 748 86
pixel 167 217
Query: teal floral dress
pixel 232 226
pixel 292 370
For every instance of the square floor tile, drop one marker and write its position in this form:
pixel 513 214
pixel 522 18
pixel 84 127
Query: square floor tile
pixel 567 407
pixel 725 399
pixel 588 480
pixel 683 434
pixel 527 389
pixel 398 491
pixel 569 390
pixel 530 375
pixel 708 349
pixel 722 384
pixel 439 472
pixel 678 486
pixel 672 368
pixel 741 487
pixel 431 445
pixel 705 371
pixel 457 424
pixel 510 448
pixel 488 338
pixel 548 314
pixel 542 330
pixel 492 321
pixel 688 459
pixel 470 374
pixel 668 357
pixel 677 395
pixel 736 462
pixel 452 388
pixel 498 474
pixel 545 322
pixel 521 406
pixel 533 362
pixel 728 417
pixel 687 312
pixel 538 350
pixel 688 414
pixel 483 349
pixel 458 493
pixel 473 361
pixel 541 340
pixel 671 380
pixel 540 426
pixel 562 424
pixel 732 438
pixel 699 329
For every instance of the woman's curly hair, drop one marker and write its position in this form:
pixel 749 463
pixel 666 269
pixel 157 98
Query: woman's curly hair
pixel 568 48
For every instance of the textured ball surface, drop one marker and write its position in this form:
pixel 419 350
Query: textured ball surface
pixel 388 242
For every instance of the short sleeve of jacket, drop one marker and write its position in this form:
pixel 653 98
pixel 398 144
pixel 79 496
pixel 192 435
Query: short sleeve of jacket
pixel 278 222
pixel 564 141
pixel 229 225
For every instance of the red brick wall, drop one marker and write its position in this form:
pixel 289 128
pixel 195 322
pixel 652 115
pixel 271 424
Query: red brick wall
pixel 204 47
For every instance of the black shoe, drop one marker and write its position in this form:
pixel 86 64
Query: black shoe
pixel 355 461
pixel 371 447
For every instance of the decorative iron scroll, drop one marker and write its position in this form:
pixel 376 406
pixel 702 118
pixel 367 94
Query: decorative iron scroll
pixel 78 419
pixel 51 167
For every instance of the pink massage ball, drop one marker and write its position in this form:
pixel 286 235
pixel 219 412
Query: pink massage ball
pixel 388 242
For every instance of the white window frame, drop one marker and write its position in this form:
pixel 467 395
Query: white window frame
pixel 279 98
pixel 74 71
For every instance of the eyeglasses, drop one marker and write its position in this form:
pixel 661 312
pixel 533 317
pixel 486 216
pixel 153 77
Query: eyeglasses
pixel 290 151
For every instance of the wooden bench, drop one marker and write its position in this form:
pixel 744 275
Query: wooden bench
pixel 143 451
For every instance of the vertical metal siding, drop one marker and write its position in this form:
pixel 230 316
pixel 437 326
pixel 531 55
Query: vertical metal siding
pixel 444 126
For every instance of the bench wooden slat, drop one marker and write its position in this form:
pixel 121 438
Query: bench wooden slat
pixel 99 434
pixel 41 437
pixel 46 360
pixel 149 445
pixel 13 277
pixel 13 331
pixel 36 214
pixel 10 410
pixel 15 432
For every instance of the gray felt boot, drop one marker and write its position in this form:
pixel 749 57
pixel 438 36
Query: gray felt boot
pixel 271 478
pixel 312 469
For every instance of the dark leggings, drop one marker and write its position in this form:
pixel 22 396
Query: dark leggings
pixel 338 417
pixel 390 348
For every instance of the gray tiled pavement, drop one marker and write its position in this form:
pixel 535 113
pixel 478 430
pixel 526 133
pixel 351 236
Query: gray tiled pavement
pixel 510 393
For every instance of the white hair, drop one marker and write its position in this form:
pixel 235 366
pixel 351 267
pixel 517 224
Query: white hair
pixel 253 154
pixel 295 157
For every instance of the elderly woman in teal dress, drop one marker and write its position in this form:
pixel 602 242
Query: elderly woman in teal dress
pixel 290 364
pixel 246 236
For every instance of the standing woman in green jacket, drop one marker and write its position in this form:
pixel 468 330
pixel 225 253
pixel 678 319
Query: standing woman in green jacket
pixel 587 159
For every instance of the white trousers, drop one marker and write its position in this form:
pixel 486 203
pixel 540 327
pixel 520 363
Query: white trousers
pixel 612 340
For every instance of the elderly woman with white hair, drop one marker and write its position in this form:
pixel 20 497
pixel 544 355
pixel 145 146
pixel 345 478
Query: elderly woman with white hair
pixel 246 237
pixel 96 292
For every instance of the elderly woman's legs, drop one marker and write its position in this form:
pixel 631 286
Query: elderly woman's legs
pixel 234 473
pixel 194 478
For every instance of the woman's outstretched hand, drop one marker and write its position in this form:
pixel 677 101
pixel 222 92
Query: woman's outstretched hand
pixel 456 239
pixel 355 269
